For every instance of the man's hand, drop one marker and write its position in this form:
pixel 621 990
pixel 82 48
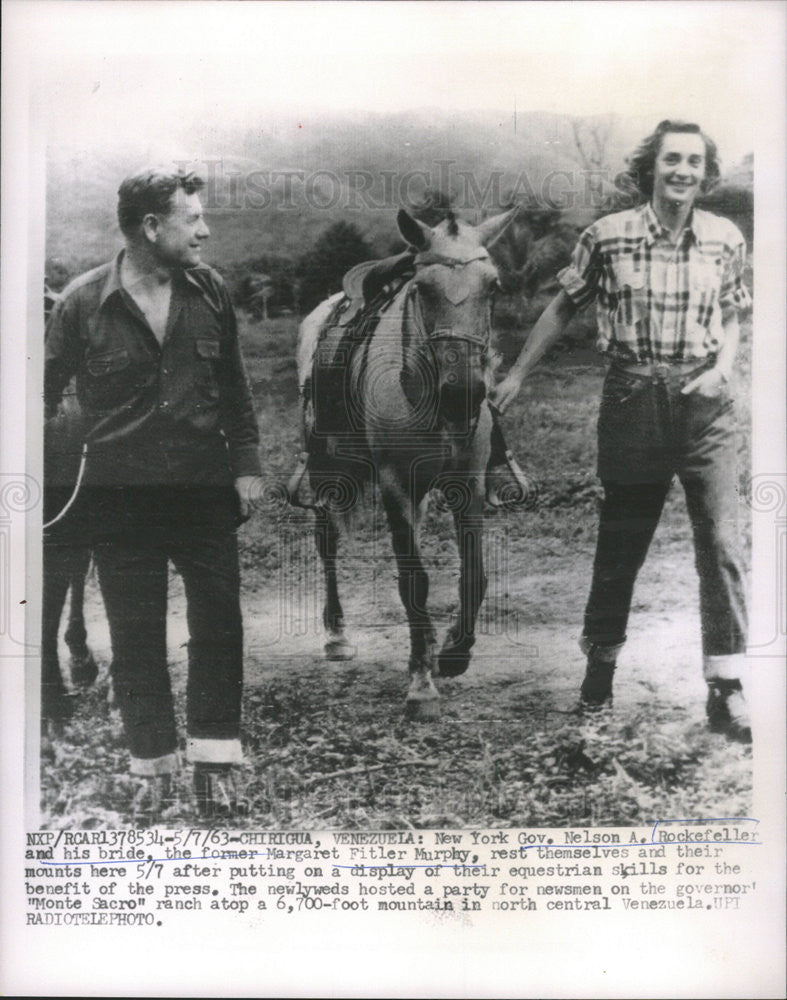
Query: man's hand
pixel 248 488
pixel 504 394
pixel 709 384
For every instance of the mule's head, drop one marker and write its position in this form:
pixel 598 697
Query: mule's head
pixel 453 288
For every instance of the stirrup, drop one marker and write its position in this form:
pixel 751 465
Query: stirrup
pixel 521 493
pixel 294 484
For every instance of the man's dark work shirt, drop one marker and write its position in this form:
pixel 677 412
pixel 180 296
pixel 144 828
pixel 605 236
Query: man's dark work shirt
pixel 175 413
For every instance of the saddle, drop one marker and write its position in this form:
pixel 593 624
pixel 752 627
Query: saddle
pixel 365 282
pixel 369 290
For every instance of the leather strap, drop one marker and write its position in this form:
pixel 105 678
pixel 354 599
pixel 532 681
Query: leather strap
pixel 665 369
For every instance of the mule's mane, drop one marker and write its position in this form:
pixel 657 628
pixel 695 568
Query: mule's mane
pixel 450 218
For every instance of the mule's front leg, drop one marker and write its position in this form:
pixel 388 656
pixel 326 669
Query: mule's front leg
pixel 454 657
pixel 422 703
pixel 337 646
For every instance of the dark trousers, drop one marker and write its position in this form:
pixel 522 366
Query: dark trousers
pixel 133 573
pixel 649 432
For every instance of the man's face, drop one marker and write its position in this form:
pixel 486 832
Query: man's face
pixel 180 235
pixel 679 168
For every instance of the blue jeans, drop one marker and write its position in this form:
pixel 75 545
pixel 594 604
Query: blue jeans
pixel 648 433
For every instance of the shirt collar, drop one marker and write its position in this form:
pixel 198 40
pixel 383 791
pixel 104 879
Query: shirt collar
pixel 112 283
pixel 187 277
pixel 653 229
pixel 181 279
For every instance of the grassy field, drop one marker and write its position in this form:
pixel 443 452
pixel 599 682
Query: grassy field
pixel 327 745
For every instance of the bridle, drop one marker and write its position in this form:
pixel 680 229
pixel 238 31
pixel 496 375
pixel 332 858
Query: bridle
pixel 427 259
pixel 428 339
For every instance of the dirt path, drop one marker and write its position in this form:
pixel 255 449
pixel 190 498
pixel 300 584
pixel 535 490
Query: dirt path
pixel 509 749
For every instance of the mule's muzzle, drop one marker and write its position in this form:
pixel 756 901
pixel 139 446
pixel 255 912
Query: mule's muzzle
pixel 461 382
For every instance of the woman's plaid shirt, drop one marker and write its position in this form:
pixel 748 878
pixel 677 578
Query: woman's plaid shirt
pixel 656 300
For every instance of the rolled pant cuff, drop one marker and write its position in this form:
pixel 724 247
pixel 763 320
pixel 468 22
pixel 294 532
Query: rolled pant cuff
pixel 200 751
pixel 729 667
pixel 149 767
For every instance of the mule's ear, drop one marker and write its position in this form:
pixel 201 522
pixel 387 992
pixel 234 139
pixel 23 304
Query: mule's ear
pixel 414 232
pixel 492 229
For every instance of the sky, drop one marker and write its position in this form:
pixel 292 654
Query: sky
pixel 115 67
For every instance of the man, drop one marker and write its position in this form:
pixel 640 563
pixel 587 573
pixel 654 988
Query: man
pixel 667 281
pixel 171 462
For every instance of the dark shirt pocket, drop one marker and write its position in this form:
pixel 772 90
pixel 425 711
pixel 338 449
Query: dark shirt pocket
pixel 109 362
pixel 109 381
pixel 208 348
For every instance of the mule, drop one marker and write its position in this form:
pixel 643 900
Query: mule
pixel 413 379
pixel 65 569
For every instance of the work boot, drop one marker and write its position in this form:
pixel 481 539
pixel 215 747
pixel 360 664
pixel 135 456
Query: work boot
pixel 727 710
pixel 57 704
pixel 215 791
pixel 596 690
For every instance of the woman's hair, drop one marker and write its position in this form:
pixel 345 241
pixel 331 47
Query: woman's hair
pixel 149 191
pixel 640 165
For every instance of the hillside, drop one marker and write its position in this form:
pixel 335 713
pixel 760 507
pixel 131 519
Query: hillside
pixel 275 188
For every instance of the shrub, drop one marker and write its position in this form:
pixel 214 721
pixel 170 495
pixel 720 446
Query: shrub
pixel 321 269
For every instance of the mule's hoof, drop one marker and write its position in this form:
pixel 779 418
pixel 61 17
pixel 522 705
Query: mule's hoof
pixel 339 649
pixel 84 669
pixel 454 657
pixel 452 664
pixel 422 709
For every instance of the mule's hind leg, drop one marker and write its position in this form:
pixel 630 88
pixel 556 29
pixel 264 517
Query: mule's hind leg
pixel 422 703
pixel 84 668
pixel 326 534
pixel 57 702
pixel 454 657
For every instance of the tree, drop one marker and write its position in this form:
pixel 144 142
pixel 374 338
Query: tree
pixel 593 138
pixel 534 247
pixel 321 269
pixel 263 286
pixel 261 291
pixel 736 203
